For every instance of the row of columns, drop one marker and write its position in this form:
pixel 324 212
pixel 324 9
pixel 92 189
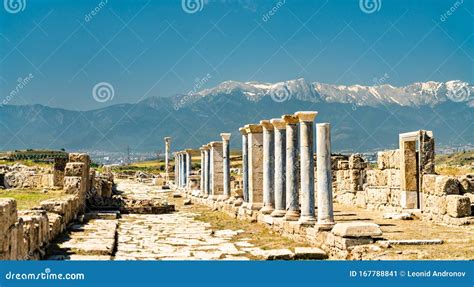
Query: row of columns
pixel 278 168
pixel 182 167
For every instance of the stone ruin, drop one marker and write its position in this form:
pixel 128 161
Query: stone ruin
pixel 25 234
pixel 290 187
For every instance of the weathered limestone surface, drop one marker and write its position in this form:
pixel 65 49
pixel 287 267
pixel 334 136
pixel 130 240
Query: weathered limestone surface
pixel 255 166
pixel 280 167
pixel 292 167
pixel 357 229
pixel 216 170
pixel 268 167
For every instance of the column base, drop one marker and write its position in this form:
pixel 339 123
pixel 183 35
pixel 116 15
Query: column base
pixel 326 226
pixel 278 213
pixel 307 220
pixel 266 209
pixel 292 215
pixel 254 206
pixel 222 197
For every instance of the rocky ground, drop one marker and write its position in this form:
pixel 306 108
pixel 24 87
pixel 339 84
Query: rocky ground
pixel 181 235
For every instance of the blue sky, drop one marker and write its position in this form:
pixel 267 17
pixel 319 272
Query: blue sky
pixel 155 48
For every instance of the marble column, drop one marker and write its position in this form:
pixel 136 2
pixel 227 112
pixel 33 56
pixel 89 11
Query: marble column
pixel 189 168
pixel 306 120
pixel 176 169
pixel 201 182
pixel 292 196
pixel 255 166
pixel 323 161
pixel 245 174
pixel 280 167
pixel 268 167
pixel 217 181
pixel 207 177
pixel 183 169
pixel 167 158
pixel 226 164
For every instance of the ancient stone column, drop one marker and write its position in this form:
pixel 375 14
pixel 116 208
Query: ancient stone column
pixel 292 196
pixel 182 168
pixel 201 186
pixel 280 167
pixel 268 167
pixel 255 166
pixel 207 164
pixel 176 169
pixel 167 159
pixel 306 120
pixel 226 164
pixel 217 176
pixel 323 161
pixel 245 174
pixel 189 168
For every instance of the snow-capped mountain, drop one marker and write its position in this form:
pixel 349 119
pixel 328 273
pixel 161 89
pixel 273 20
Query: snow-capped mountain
pixel 418 94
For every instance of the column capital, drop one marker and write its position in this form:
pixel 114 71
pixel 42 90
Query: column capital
pixel 266 125
pixel 306 116
pixel 215 144
pixel 243 131
pixel 167 139
pixel 278 124
pixel 254 129
pixel 188 150
pixel 290 119
pixel 225 136
pixel 323 125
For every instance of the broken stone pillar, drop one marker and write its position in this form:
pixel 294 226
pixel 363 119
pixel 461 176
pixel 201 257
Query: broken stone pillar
pixel 75 182
pixel 58 171
pixel 307 166
pixel 84 158
pixel 255 166
pixel 217 176
pixel 268 167
pixel 324 174
pixel 245 171
pixel 280 167
pixel 292 196
pixel 226 165
pixel 189 167
pixel 167 160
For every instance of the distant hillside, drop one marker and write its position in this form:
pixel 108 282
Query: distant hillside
pixel 456 163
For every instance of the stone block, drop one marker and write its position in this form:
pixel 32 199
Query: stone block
pixel 378 195
pixel 278 254
pixel 74 169
pixel 8 214
pixel 73 185
pixel 312 253
pixel 357 229
pixel 446 185
pixel 346 243
pixel 429 183
pixel 458 205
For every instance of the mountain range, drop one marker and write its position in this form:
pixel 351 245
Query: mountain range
pixel 363 118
